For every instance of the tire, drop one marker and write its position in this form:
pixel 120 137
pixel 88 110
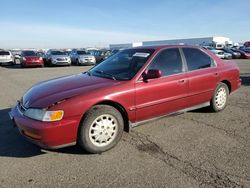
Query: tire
pixel 50 63
pixel 97 138
pixel 220 98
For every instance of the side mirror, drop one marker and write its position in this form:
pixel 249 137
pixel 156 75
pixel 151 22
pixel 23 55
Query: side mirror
pixel 151 74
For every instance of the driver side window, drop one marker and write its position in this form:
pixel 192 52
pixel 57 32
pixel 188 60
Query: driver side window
pixel 168 61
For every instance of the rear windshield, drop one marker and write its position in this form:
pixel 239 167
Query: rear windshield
pixel 4 53
pixel 29 53
pixel 58 53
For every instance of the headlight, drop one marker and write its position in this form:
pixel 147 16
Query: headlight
pixel 44 115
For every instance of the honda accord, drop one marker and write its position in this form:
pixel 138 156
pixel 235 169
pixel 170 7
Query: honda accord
pixel 129 88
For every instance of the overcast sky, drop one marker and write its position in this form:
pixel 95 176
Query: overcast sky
pixel 79 23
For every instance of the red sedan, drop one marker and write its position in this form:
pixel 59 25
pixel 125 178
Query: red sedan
pixel 31 59
pixel 128 89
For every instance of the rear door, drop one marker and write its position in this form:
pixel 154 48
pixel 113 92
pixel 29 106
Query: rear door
pixel 202 76
pixel 157 97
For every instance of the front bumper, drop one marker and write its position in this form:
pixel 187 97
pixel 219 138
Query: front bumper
pixel 49 135
pixel 86 62
pixel 32 63
pixel 56 62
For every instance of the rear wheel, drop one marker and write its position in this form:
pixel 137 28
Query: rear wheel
pixel 101 129
pixel 220 98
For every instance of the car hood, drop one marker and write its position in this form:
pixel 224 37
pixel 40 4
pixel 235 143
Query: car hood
pixel 47 93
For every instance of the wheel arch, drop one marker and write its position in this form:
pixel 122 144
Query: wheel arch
pixel 117 106
pixel 121 109
pixel 228 83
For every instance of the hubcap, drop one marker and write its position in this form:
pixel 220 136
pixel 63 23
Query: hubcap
pixel 221 97
pixel 103 130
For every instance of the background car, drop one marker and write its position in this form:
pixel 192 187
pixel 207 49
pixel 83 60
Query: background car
pixel 17 56
pixel 230 51
pixel 6 57
pixel 228 55
pixel 218 53
pixel 82 57
pixel 243 54
pixel 57 57
pixel 245 48
pixel 30 58
pixel 97 54
pixel 247 43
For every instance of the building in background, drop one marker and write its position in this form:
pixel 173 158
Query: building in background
pixel 217 42
pixel 124 46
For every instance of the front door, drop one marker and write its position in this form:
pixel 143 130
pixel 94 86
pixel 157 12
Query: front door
pixel 164 95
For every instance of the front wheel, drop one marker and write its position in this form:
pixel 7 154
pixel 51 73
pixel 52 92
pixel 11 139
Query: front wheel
pixel 220 98
pixel 101 129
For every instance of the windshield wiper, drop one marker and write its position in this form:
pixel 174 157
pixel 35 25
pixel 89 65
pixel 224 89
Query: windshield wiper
pixel 88 73
pixel 107 74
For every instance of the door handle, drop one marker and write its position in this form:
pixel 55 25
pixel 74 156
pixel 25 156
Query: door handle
pixel 181 81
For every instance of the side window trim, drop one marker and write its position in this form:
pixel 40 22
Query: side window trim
pixel 182 62
pixel 185 61
pixel 213 61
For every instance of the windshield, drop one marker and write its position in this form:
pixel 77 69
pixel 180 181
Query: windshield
pixel 29 53
pixel 94 52
pixel 123 65
pixel 4 53
pixel 82 52
pixel 58 53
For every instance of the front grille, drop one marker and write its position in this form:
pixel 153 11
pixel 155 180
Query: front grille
pixel 62 63
pixel 61 59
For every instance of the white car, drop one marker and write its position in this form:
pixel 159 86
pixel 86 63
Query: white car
pixel 81 57
pixel 221 54
pixel 57 57
pixel 6 57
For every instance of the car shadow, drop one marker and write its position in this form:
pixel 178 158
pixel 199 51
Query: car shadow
pixel 202 110
pixel 245 79
pixel 13 144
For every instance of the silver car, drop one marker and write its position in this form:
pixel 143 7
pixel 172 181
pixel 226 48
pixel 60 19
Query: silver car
pixel 81 57
pixel 57 57
pixel 6 57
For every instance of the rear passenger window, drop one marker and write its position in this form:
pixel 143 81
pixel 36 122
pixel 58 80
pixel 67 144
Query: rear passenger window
pixel 196 59
pixel 168 62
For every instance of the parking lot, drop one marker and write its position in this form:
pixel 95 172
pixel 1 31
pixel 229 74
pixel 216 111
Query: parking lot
pixel 194 149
